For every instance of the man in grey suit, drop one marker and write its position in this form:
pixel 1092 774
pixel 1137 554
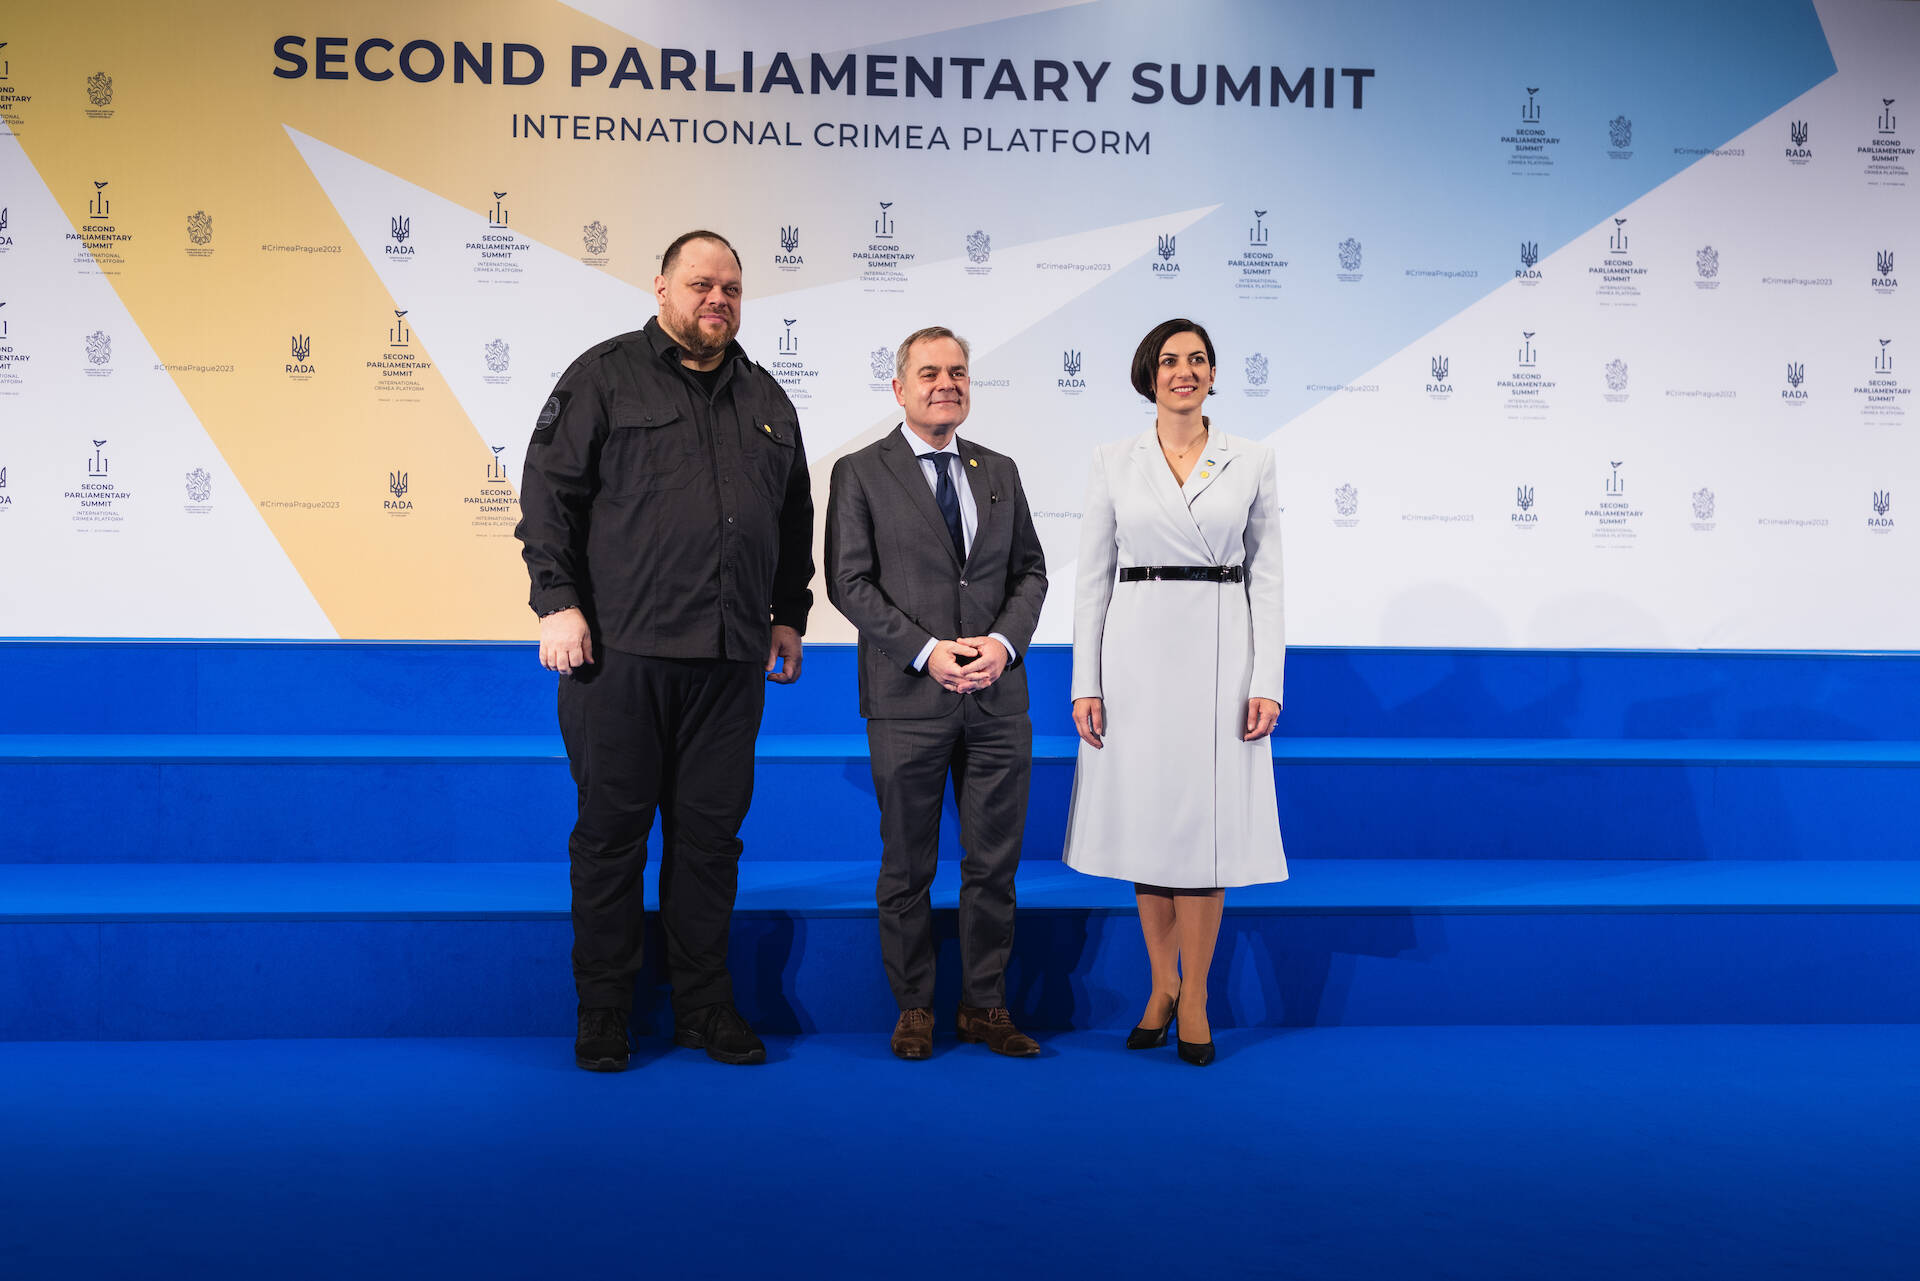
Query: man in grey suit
pixel 931 552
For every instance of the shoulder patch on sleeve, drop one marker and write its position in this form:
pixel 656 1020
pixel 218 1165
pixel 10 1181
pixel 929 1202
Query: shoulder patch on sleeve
pixel 543 426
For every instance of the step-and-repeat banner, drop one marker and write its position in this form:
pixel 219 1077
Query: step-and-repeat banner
pixel 1571 325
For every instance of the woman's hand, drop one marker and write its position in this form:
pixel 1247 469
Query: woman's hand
pixel 1261 715
pixel 1090 719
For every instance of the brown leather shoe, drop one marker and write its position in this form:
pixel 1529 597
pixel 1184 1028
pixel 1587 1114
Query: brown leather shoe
pixel 913 1035
pixel 995 1027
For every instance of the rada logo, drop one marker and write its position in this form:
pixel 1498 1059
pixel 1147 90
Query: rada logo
pixel 789 255
pixel 1882 504
pixel 1440 367
pixel 1883 282
pixel 401 231
pixel 397 486
pixel 1797 149
pixel 1529 255
pixel 301 349
pixel 1796 375
pixel 1166 249
pixel 1070 365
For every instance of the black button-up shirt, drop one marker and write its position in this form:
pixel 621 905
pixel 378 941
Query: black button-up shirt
pixel 680 522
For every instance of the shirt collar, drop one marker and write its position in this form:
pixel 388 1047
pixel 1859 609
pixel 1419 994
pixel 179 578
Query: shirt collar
pixel 665 347
pixel 921 449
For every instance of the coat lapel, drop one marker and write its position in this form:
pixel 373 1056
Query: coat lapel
pixel 1213 460
pixel 1166 490
pixel 984 494
pixel 906 469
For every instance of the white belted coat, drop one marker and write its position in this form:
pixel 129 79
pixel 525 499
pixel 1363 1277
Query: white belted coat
pixel 1175 798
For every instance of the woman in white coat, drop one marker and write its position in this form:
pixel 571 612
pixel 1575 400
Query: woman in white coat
pixel 1178 653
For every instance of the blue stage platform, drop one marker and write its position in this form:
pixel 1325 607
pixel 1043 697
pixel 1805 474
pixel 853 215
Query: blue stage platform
pixel 275 839
pixel 1591 964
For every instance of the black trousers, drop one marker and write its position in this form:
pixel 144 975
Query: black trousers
pixel 674 736
pixel 991 761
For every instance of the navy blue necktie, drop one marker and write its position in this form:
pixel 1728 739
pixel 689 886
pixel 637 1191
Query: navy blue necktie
pixel 949 502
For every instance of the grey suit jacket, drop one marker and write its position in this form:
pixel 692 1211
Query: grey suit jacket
pixel 892 571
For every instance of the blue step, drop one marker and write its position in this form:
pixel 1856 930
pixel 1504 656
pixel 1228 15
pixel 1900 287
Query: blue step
pixel 295 687
pixel 508 798
pixel 147 952
pixel 843 749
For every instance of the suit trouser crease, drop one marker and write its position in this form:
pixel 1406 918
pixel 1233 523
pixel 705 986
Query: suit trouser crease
pixel 990 761
pixel 673 737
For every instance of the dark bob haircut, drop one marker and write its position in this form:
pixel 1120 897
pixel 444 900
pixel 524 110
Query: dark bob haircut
pixel 1146 357
pixel 672 255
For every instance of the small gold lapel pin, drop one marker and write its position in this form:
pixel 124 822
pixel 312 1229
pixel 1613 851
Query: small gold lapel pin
pixel 1205 474
pixel 973 462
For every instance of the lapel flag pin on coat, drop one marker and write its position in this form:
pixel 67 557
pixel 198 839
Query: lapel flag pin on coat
pixel 973 462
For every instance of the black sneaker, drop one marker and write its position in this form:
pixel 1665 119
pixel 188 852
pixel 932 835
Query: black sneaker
pixel 601 1045
pixel 721 1032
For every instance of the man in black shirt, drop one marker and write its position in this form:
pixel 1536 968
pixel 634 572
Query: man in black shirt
pixel 667 525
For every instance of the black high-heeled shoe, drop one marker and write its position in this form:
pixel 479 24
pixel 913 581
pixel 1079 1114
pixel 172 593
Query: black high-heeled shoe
pixel 1198 1053
pixel 1152 1038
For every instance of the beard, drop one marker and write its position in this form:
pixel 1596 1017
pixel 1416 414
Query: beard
pixel 684 328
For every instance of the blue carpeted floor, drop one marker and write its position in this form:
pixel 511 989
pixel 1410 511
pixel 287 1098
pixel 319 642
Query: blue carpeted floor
pixel 1348 1153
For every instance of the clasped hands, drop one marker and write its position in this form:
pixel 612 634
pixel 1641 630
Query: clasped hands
pixel 969 664
pixel 1090 719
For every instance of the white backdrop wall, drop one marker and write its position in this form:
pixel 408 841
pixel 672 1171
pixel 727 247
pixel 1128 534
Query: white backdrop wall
pixel 1571 325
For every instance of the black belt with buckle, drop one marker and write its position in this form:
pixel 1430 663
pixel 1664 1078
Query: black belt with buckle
pixel 1183 574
